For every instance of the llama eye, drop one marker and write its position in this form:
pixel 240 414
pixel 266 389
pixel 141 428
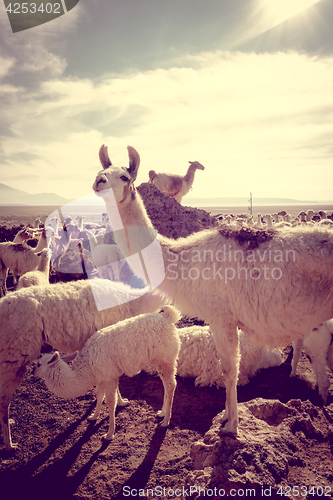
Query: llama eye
pixel 124 178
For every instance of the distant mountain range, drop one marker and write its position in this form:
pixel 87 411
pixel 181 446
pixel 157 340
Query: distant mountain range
pixel 12 196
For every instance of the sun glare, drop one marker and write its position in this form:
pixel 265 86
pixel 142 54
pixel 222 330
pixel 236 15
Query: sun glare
pixel 280 10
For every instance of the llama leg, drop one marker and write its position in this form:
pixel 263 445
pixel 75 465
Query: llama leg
pixel 317 346
pixel 15 274
pixel 3 279
pixel 100 397
pixel 111 401
pixel 5 424
pixel 297 349
pixel 319 367
pixel 121 401
pixel 227 345
pixel 8 385
pixel 167 375
pixel 317 349
pixel 115 269
pixel 110 273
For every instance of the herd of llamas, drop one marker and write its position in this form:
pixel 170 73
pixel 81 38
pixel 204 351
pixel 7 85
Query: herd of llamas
pixel 258 286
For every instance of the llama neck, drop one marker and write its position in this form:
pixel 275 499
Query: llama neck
pixel 66 382
pixel 134 213
pixel 42 243
pixel 93 241
pixel 56 227
pixel 80 225
pixel 43 265
pixel 189 177
pixel 133 216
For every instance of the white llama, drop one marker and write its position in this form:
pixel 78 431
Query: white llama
pixel 40 276
pixel 176 186
pixel 274 285
pixel 19 258
pixel 108 259
pixel 198 357
pixel 147 342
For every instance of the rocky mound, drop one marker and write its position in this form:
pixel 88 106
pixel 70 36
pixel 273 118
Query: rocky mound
pixel 169 217
pixel 273 437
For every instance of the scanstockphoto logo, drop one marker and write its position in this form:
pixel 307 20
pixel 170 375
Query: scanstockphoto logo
pixel 227 264
pixel 26 15
pixel 83 250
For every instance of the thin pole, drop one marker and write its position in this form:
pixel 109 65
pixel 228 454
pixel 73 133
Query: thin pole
pixel 250 201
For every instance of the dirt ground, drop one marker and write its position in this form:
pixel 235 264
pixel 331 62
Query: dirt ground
pixel 62 455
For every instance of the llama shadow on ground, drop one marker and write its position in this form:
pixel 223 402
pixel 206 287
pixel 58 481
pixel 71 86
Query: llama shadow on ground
pixel 140 477
pixel 51 482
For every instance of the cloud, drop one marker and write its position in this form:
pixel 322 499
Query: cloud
pixel 260 123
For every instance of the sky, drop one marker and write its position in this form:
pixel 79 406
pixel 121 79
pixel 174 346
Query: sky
pixel 245 87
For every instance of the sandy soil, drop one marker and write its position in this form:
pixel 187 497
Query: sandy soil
pixel 62 455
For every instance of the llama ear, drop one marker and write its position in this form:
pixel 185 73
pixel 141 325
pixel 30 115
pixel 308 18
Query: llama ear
pixel 54 358
pixel 134 162
pixel 104 157
pixel 69 357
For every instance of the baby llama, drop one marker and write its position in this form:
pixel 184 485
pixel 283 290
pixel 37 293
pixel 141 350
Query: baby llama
pixel 275 285
pixel 147 342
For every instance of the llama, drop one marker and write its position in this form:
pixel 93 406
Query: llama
pixel 318 345
pixel 54 224
pixel 147 342
pixel 107 258
pixel 198 357
pixel 326 222
pixel 42 241
pixel 17 257
pixel 23 235
pixel 274 285
pixel 64 315
pixel 58 245
pixel 176 186
pixel 38 223
pixel 40 276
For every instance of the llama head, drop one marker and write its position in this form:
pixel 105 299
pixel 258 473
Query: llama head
pixel 117 180
pixel 25 233
pixel 170 312
pixel 152 174
pixel 45 254
pixel 49 360
pixel 196 164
